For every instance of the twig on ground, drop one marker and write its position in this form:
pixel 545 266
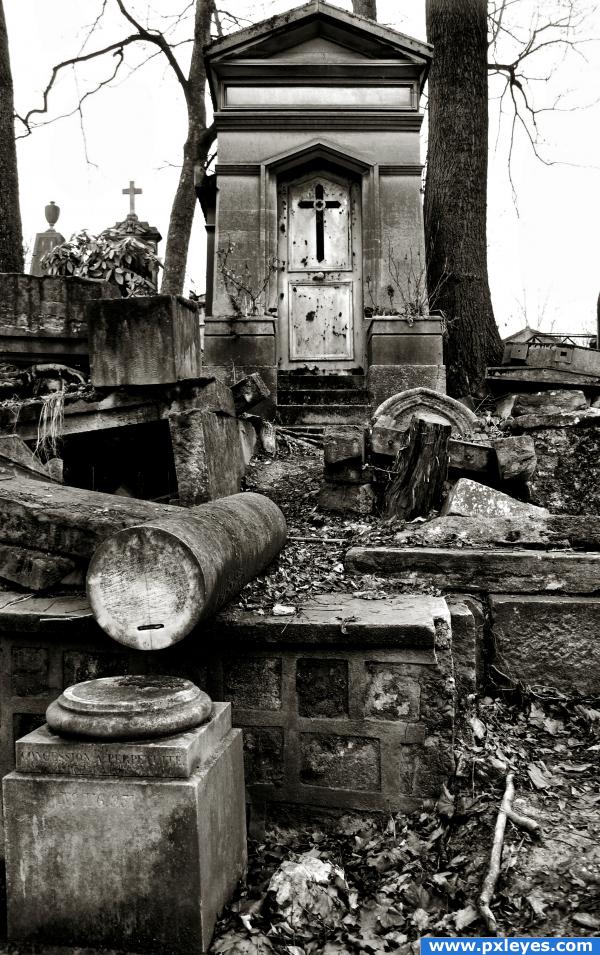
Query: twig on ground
pixel 525 822
pixel 493 872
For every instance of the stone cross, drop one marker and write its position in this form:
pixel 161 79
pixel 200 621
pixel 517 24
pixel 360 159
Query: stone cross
pixel 132 192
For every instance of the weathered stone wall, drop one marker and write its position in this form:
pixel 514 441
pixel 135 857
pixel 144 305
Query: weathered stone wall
pixel 567 477
pixel 352 726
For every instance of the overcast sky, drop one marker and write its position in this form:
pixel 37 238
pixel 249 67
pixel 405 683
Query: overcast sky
pixel 544 252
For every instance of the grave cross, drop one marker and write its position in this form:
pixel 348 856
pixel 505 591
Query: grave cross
pixel 132 192
pixel 319 204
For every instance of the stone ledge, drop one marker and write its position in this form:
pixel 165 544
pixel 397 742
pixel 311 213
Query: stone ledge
pixel 341 620
pixel 478 570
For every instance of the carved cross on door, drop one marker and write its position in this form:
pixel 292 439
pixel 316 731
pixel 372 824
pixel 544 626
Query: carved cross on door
pixel 319 204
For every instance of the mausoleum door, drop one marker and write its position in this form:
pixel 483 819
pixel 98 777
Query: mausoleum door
pixel 320 294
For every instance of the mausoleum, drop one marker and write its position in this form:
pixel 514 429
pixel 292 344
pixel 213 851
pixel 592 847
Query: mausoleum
pixel 316 260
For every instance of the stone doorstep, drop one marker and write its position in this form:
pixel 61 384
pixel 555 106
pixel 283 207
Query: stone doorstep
pixel 493 571
pixel 341 620
pixel 42 752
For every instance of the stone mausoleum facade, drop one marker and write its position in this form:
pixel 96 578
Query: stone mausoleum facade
pixel 314 215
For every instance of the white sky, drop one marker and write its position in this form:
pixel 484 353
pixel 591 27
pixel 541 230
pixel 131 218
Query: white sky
pixel 544 255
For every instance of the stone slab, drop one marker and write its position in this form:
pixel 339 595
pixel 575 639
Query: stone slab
pixel 44 752
pixel 548 641
pixel 342 620
pixel 471 499
pixel 548 402
pixel 132 864
pixel 482 571
pixel 586 418
pixel 555 532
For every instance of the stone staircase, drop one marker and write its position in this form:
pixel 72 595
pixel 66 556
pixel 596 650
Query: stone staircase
pixel 309 403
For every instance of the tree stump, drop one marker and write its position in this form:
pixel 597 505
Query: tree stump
pixel 419 470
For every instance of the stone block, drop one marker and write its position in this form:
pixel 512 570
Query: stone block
pixel 252 682
pixel 348 762
pixel 468 621
pixel 391 694
pixel 322 687
pixel 263 755
pixel 549 641
pixel 100 860
pixel 552 401
pixel 567 477
pixel 347 474
pixel 30 670
pixel 347 499
pixel 386 380
pixel 342 445
pixel 148 340
pixel 32 569
pixel 471 499
pixel 44 317
pixel 476 570
pixel 208 456
pixel 515 457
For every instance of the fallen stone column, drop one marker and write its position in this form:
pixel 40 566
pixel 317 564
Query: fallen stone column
pixel 149 585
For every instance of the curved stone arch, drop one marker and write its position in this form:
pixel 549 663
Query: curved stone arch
pixel 397 411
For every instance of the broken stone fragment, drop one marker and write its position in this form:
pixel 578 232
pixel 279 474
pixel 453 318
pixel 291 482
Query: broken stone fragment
pixel 516 457
pixel 341 445
pixel 548 402
pixel 470 499
pixel 347 498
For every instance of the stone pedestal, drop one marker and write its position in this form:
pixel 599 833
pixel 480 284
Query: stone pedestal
pixel 125 845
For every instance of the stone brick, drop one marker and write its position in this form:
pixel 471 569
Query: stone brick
pixel 322 687
pixel 79 666
pixel 550 641
pixel 467 644
pixel 263 755
pixel 253 682
pixel 391 694
pixel 340 762
pixel 383 381
pixel 347 498
pixel 30 667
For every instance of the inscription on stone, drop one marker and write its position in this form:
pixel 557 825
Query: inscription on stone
pixel 97 762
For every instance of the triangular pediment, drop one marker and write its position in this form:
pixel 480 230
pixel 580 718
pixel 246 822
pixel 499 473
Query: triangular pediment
pixel 318 29
pixel 317 50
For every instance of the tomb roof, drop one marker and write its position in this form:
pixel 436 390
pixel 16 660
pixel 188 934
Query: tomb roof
pixel 319 19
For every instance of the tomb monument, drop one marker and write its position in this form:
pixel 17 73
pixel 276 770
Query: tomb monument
pixel 316 259
pixel 125 818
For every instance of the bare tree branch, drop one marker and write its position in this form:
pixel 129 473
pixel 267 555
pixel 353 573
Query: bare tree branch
pixel 156 37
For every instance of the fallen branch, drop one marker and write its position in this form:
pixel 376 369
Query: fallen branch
pixel 493 872
pixel 525 822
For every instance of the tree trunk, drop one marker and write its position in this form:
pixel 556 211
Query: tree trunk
pixel 11 233
pixel 456 189
pixel 195 152
pixel 420 470
pixel 365 8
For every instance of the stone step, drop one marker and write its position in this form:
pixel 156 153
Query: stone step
pixel 293 382
pixel 487 571
pixel 324 414
pixel 321 396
